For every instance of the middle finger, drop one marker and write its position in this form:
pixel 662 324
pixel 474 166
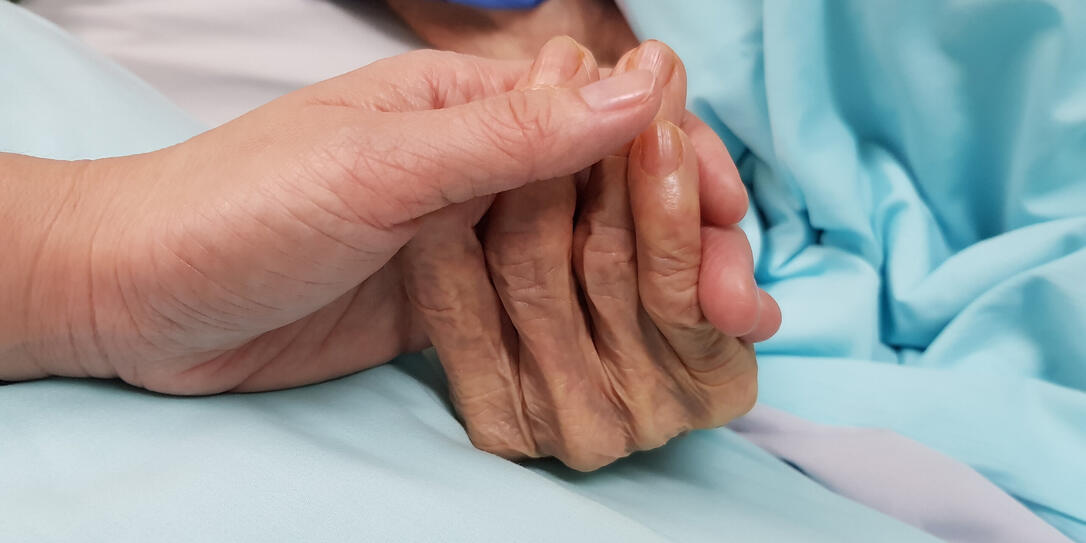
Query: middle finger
pixel 527 244
pixel 638 358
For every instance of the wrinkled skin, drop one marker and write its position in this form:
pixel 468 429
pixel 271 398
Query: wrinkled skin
pixel 294 245
pixel 263 254
pixel 570 326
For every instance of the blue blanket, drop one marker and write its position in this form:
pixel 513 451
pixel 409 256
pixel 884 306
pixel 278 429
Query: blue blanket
pixel 918 174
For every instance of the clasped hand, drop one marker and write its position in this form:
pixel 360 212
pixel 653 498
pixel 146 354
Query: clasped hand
pixel 566 242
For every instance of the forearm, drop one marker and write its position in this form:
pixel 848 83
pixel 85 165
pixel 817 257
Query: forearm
pixel 46 322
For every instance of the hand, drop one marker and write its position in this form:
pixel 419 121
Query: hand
pixel 573 328
pixel 517 34
pixel 262 254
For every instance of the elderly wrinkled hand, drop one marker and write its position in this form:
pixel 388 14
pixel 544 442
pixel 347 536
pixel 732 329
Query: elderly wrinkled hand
pixel 570 325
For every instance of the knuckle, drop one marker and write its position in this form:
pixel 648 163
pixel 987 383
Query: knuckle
pixel 370 174
pixel 669 419
pixel 748 396
pixel 707 351
pixel 728 391
pixel 526 276
pixel 505 247
pixel 738 401
pixel 607 255
pixel 590 454
pixel 520 271
pixel 427 65
pixel 498 447
pixel 443 70
pixel 495 431
pixel 669 287
pixel 529 116
pixel 676 308
pixel 438 311
pixel 675 267
pixel 719 360
pixel 586 441
pixel 660 438
pixel 520 123
pixel 346 169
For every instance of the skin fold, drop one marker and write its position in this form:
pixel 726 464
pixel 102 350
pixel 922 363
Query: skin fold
pixel 570 325
pixel 262 254
pixel 585 293
pixel 602 29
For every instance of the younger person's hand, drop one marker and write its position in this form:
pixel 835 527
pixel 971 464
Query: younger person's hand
pixel 261 254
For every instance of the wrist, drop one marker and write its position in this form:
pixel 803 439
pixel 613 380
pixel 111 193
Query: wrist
pixel 46 283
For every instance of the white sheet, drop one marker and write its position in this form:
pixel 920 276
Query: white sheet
pixel 220 59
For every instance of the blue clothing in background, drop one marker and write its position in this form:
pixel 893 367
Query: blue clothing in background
pixel 918 180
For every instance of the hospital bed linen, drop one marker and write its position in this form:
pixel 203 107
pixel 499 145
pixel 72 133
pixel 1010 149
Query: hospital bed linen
pixel 897 476
pixel 918 180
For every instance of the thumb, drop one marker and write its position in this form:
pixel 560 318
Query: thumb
pixel 431 159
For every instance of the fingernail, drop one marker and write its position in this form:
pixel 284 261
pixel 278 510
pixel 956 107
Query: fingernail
pixel 558 61
pixel 661 149
pixel 656 58
pixel 618 91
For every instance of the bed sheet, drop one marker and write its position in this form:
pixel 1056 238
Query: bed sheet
pixel 918 179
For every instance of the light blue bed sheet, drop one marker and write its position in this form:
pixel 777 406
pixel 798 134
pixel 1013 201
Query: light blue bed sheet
pixel 918 171
pixel 377 456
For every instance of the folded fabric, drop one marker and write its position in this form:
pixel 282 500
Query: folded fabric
pixel 377 456
pixel 918 179
pixel 880 468
pixel 374 456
